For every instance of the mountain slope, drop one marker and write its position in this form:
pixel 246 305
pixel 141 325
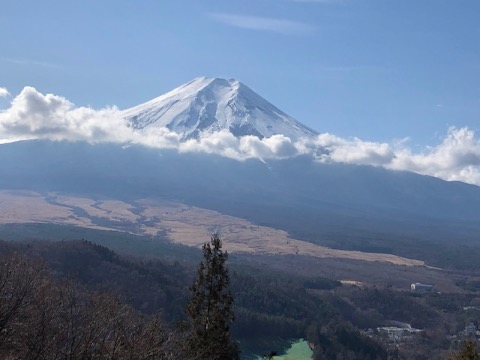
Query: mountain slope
pixel 208 105
pixel 297 195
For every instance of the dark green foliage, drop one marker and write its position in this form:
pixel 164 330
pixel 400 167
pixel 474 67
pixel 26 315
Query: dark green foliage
pixel 473 285
pixel 342 341
pixel 321 283
pixel 258 325
pixel 269 304
pixel 390 304
pixel 122 242
pixel 210 307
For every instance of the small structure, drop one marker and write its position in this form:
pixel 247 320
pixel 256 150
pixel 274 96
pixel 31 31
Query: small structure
pixel 419 287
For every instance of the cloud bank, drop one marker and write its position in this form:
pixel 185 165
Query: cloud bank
pixel 33 115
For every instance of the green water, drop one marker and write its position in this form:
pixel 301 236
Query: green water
pixel 299 350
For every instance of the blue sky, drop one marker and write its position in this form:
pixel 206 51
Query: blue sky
pixel 379 70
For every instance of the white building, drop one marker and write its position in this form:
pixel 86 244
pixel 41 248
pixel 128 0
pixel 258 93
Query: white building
pixel 421 287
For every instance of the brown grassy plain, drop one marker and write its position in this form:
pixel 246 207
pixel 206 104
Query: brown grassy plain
pixel 183 224
pixel 192 226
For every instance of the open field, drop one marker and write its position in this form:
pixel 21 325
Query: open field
pixel 182 223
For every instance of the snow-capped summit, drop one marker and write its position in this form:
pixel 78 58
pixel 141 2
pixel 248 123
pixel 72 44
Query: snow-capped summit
pixel 208 105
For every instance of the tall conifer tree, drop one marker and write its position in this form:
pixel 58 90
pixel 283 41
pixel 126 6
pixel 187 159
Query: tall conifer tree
pixel 210 307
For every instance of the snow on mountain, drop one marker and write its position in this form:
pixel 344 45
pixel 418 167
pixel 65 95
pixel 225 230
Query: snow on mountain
pixel 207 105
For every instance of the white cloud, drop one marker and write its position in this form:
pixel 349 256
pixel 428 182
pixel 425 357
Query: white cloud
pixel 3 92
pixel 457 157
pixel 33 115
pixel 263 23
pixel 277 146
pixel 226 144
pixel 222 142
pixel 353 151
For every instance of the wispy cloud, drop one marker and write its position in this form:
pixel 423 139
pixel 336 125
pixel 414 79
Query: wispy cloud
pixel 3 92
pixel 33 115
pixel 281 26
pixel 28 62
pixel 353 68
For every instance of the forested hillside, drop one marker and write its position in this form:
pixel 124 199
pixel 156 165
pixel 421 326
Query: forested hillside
pixel 100 290
pixel 87 292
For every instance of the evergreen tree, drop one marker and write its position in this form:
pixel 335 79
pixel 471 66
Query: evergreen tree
pixel 210 307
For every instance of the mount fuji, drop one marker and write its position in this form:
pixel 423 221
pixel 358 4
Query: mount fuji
pixel 207 105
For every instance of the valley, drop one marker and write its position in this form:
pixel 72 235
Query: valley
pixel 177 223
pixel 183 224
